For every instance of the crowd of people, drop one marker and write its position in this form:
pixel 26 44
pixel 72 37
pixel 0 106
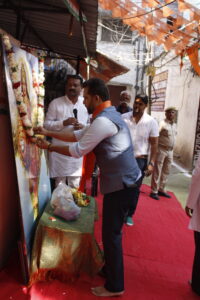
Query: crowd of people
pixel 128 145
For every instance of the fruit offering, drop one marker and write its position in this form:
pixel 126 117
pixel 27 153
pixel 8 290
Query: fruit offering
pixel 81 199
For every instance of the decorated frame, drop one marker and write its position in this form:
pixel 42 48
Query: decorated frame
pixel 24 73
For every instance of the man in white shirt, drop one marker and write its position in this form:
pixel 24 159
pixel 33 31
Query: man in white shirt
pixel 66 111
pixel 164 158
pixel 109 138
pixel 144 133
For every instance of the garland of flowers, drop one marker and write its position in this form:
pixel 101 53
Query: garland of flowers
pixel 15 70
pixel 41 93
pixel 38 86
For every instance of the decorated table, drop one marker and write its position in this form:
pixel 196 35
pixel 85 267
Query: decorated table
pixel 65 249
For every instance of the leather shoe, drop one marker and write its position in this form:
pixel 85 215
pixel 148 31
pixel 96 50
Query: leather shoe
pixel 163 194
pixel 154 196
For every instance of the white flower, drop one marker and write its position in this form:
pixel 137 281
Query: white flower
pixel 41 92
pixel 30 132
pixel 15 77
pixel 26 122
pixel 18 94
pixel 22 107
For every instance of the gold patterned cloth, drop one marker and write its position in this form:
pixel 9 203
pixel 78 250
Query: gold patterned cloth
pixel 65 249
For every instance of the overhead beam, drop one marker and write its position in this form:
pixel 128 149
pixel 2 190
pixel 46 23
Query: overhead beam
pixel 43 10
pixel 19 11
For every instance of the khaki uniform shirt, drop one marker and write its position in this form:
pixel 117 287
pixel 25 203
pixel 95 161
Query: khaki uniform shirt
pixel 167 134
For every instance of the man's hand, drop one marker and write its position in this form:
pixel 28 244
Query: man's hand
pixel 70 121
pixel 40 130
pixel 189 211
pixel 78 126
pixel 42 144
pixel 149 170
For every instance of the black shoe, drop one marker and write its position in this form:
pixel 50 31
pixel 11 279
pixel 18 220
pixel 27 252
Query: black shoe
pixel 163 194
pixel 154 196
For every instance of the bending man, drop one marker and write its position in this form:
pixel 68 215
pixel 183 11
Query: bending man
pixel 109 138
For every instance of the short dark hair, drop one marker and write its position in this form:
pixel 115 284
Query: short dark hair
pixel 96 86
pixel 144 98
pixel 74 76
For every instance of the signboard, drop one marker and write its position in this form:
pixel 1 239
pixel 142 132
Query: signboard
pixel 158 91
pixel 197 139
pixel 31 166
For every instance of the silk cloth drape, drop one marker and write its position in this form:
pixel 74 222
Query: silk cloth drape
pixel 65 249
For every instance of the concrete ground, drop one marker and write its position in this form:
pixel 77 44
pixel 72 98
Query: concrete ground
pixel 178 182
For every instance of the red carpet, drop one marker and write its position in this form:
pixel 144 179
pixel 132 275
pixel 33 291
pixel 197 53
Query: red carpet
pixel 158 254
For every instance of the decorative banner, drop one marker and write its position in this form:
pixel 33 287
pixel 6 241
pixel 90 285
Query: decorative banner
pixel 194 58
pixel 158 15
pixel 158 91
pixel 24 79
pixel 197 139
pixel 167 11
pixel 153 3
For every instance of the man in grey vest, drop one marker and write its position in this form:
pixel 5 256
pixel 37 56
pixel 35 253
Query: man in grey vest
pixel 109 138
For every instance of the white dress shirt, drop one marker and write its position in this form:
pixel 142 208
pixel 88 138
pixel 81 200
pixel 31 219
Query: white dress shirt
pixel 89 137
pixel 59 110
pixel 193 200
pixel 141 131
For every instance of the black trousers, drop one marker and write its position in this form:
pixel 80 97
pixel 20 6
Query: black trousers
pixel 196 264
pixel 115 209
pixel 142 164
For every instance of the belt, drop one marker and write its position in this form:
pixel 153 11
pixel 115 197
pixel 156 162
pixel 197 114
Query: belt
pixel 142 156
pixel 165 147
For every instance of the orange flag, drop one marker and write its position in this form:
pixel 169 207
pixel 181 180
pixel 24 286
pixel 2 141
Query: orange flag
pixel 194 59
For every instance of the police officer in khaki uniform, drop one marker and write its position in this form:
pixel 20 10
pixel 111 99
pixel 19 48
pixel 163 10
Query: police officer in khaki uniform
pixel 164 159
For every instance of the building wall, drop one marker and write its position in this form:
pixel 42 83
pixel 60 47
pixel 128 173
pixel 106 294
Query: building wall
pixel 183 92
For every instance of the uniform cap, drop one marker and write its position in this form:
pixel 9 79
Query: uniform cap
pixel 171 108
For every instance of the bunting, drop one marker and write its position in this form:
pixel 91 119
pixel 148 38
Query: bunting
pixel 159 21
pixel 194 58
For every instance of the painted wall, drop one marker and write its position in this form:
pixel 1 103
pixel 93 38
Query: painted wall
pixel 183 91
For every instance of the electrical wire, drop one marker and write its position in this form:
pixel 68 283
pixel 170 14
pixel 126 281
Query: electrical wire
pixel 149 12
